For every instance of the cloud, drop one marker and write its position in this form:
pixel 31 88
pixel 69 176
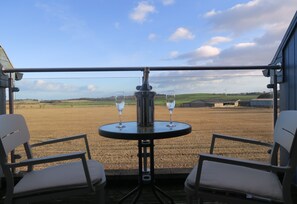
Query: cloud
pixel 206 51
pixel 168 2
pixel 174 54
pixel 152 36
pixel 141 11
pixel 210 13
pixel 245 45
pixel 218 39
pixel 251 15
pixel 256 28
pixel 43 85
pixel 203 53
pixel 244 56
pixel 209 82
pixel 181 33
pixel 92 88
pixel 259 51
pixel 264 22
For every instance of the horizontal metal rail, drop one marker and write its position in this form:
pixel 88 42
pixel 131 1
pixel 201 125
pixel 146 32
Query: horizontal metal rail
pixel 116 69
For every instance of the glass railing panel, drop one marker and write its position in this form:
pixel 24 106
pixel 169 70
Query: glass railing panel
pixel 225 103
pixel 57 107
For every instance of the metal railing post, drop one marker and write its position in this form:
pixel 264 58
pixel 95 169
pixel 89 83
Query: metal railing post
pixel 3 86
pixel 275 96
pixel 10 94
pixel 11 111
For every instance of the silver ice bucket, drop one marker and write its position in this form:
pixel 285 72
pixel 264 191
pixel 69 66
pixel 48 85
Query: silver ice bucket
pixel 145 102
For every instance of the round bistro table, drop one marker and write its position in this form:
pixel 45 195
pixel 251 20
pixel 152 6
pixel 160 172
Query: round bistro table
pixel 145 137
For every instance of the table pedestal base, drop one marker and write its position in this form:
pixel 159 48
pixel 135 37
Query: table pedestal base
pixel 156 191
pixel 146 176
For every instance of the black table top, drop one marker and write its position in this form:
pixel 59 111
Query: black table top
pixel 131 131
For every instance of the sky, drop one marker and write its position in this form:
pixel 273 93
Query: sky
pixel 141 33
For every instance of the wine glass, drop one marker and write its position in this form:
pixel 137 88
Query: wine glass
pixel 170 103
pixel 120 104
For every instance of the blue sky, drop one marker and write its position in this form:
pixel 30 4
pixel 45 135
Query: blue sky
pixel 100 33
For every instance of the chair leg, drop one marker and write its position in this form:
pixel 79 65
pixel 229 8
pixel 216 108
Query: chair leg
pixel 190 199
pixel 100 195
pixel 8 197
pixel 7 201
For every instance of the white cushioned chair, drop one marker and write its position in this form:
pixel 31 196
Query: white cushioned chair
pixel 81 176
pixel 244 181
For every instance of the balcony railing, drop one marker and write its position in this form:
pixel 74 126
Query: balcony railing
pixel 68 117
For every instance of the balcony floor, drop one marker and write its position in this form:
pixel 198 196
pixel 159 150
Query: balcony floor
pixel 119 183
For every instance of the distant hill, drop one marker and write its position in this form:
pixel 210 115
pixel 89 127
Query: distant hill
pixel 159 99
pixel 267 95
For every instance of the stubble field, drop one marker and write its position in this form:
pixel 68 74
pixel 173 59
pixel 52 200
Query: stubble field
pixel 48 123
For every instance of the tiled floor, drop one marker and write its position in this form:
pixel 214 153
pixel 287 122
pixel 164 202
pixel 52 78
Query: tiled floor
pixel 170 181
pixel 120 183
pixel 116 190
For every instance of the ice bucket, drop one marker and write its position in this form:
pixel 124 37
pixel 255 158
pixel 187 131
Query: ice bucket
pixel 145 102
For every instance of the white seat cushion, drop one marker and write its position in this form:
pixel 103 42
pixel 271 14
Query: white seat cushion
pixel 232 178
pixel 68 175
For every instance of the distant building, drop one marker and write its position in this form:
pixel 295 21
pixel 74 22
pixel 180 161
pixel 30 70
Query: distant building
pixel 226 104
pixel 196 104
pixel 211 103
pixel 264 103
pixel 261 103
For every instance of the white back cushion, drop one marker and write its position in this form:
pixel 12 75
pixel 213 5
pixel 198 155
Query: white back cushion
pixel 285 128
pixel 13 131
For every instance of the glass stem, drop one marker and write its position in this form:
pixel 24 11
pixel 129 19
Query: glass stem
pixel 170 117
pixel 120 117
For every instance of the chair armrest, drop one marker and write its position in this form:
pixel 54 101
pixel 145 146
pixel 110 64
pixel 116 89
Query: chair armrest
pixel 49 159
pixel 55 158
pixel 237 139
pixel 64 139
pixel 245 163
pixel 238 162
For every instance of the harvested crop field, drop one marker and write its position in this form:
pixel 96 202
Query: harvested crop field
pixel 181 152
